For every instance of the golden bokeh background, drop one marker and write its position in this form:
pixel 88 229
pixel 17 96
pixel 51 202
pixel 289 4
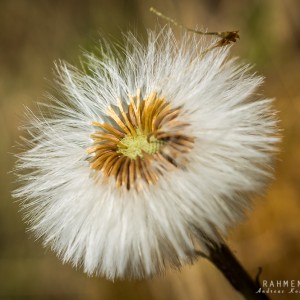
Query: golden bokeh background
pixel 35 33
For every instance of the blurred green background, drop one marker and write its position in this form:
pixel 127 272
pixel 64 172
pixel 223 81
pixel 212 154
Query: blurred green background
pixel 35 33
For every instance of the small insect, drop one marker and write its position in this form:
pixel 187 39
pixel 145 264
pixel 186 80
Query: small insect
pixel 226 37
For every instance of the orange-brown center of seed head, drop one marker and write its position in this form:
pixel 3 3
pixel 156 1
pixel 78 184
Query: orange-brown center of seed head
pixel 140 144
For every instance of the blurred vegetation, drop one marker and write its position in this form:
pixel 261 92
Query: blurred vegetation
pixel 35 33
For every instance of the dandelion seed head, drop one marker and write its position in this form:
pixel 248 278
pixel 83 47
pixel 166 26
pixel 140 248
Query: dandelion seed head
pixel 145 157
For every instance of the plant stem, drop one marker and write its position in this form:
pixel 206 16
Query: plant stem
pixel 221 256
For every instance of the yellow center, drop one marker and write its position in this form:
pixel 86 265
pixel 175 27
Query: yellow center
pixel 139 143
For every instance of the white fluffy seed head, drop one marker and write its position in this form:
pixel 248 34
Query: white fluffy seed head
pixel 116 231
